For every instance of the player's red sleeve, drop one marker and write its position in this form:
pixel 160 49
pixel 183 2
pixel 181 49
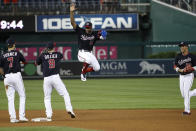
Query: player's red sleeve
pixel 98 34
pixel 175 66
pixel 25 63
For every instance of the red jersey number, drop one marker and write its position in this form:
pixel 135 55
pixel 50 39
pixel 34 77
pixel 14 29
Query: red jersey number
pixel 51 63
pixel 10 59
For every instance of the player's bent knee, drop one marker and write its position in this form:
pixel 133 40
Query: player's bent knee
pixel 23 97
pixel 97 68
pixel 10 98
pixel 6 87
pixel 47 97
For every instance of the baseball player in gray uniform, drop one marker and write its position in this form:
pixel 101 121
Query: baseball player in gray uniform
pixel 185 64
pixel 10 63
pixel 50 62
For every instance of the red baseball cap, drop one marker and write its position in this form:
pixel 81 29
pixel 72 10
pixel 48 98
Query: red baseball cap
pixel 88 25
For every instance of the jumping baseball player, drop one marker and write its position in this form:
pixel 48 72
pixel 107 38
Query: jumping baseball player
pixel 10 63
pixel 185 64
pixel 50 62
pixel 86 41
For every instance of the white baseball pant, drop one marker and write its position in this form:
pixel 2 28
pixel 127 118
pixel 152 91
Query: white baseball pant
pixel 14 83
pixel 51 82
pixel 192 93
pixel 186 82
pixel 88 57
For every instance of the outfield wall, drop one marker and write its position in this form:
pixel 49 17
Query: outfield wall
pixel 109 68
pixel 171 23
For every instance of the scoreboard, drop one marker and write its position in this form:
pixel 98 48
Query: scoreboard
pixel 17 23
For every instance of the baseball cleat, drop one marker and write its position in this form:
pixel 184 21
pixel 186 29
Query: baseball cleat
pixel 186 113
pixel 14 120
pixel 83 77
pixel 23 119
pixel 48 119
pixel 71 114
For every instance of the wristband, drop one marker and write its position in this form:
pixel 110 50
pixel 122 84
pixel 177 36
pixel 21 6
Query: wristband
pixel 177 69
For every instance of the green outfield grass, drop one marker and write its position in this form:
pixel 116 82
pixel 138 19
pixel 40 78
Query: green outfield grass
pixel 130 93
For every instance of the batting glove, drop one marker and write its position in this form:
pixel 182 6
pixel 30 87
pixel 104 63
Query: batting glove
pixel 103 34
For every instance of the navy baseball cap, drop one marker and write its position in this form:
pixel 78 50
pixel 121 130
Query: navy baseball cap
pixel 10 42
pixel 183 44
pixel 88 25
pixel 50 45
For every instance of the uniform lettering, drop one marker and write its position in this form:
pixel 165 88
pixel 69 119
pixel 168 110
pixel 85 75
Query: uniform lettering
pixel 10 54
pixel 180 62
pixel 52 56
pixel 84 37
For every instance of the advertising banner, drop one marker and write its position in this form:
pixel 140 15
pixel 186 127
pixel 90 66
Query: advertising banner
pixel 110 22
pixel 121 68
pixel 67 69
pixel 110 68
pixel 101 52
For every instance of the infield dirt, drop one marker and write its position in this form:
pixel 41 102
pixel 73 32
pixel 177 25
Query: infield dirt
pixel 113 120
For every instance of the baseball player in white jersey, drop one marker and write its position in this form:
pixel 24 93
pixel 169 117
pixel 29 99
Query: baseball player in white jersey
pixel 185 64
pixel 10 63
pixel 86 41
pixel 50 62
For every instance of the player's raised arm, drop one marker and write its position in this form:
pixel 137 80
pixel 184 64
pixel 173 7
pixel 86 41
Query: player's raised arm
pixel 72 9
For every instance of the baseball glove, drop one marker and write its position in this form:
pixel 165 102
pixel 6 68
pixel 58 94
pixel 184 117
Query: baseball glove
pixel 188 69
pixel 3 76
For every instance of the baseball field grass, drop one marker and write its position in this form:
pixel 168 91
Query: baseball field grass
pixel 129 93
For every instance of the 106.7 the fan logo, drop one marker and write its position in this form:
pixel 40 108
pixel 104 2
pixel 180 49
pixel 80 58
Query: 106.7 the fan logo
pixel 4 25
